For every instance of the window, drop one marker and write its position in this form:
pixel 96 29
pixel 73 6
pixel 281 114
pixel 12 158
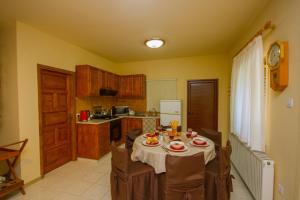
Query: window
pixel 247 95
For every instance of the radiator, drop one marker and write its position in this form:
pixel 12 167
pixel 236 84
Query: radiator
pixel 255 168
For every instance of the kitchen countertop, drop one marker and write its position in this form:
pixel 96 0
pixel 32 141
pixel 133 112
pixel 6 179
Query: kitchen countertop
pixel 102 121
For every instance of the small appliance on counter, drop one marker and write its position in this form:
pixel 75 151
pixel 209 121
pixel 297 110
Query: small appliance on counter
pixel 131 112
pixel 84 115
pixel 120 110
pixel 102 113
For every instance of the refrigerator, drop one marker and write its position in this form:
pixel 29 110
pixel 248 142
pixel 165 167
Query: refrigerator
pixel 170 110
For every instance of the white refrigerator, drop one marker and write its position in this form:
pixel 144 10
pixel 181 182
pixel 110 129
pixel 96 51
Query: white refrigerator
pixel 170 110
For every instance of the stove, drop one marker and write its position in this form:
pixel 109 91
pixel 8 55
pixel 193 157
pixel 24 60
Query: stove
pixel 99 116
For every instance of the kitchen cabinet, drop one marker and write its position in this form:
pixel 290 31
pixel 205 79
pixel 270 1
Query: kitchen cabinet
pixel 129 124
pixel 93 140
pixel 88 81
pixel 132 86
pixel 111 81
pixel 126 86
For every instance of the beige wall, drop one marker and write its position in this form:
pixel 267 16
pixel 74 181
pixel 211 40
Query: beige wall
pixel 9 131
pixel 183 69
pixel 8 87
pixel 283 135
pixel 35 47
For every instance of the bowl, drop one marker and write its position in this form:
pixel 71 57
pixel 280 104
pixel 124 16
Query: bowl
pixel 177 145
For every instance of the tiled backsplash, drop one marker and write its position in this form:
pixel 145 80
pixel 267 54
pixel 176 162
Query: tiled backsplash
pixel 138 105
pixel 86 103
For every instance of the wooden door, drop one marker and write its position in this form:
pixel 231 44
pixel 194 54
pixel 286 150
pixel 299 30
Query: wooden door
pixel 56 111
pixel 202 104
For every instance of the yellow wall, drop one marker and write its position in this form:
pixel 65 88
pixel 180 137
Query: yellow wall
pixel 283 135
pixel 9 131
pixel 35 47
pixel 8 87
pixel 183 69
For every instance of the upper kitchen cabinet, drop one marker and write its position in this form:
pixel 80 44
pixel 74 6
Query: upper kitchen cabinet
pixel 126 86
pixel 111 81
pixel 132 86
pixel 88 81
pixel 139 85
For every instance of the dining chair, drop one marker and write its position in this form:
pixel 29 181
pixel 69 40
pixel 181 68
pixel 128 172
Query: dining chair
pixel 131 136
pixel 213 135
pixel 184 179
pixel 218 180
pixel 130 180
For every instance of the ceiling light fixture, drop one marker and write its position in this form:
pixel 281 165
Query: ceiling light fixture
pixel 154 43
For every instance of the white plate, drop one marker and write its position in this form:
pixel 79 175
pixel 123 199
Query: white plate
pixel 149 145
pixel 173 150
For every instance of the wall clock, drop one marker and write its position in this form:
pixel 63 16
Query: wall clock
pixel 277 60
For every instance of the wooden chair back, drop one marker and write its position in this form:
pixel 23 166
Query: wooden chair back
pixel 185 177
pixel 120 158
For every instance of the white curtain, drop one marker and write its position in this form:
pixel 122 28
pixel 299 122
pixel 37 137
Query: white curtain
pixel 247 95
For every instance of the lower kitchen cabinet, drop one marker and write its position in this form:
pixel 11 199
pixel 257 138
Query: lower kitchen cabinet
pixel 93 140
pixel 129 124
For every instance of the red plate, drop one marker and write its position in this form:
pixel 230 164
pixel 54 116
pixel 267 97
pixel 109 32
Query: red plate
pixel 151 145
pixel 149 135
pixel 179 150
pixel 206 144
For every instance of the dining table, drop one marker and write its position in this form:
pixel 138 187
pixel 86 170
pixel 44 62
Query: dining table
pixel 155 156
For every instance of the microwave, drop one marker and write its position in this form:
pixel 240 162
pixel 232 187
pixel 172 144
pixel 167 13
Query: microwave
pixel 120 110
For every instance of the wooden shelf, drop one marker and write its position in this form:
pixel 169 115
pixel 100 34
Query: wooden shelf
pixel 10 186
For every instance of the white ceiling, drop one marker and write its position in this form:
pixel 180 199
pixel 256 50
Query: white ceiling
pixel 117 29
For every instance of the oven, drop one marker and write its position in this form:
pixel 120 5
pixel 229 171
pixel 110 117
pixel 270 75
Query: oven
pixel 115 130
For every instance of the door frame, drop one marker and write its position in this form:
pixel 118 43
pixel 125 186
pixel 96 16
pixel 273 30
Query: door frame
pixel 216 88
pixel 72 113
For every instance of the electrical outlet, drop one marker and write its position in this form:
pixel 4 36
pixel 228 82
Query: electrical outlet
pixel 280 189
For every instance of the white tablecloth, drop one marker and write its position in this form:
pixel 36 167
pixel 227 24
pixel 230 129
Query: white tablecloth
pixel 155 156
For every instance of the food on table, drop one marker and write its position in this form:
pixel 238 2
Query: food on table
pixel 150 135
pixel 152 140
pixel 176 145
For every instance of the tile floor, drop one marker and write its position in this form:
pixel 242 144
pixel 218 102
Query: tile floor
pixel 89 180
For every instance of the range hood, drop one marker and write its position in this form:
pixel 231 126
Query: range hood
pixel 108 92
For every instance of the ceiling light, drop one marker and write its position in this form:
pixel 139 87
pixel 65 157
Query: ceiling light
pixel 154 43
